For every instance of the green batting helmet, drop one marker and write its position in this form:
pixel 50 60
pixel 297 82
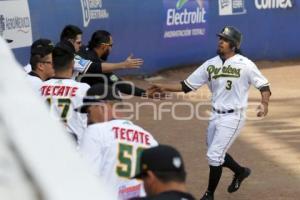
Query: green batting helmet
pixel 232 34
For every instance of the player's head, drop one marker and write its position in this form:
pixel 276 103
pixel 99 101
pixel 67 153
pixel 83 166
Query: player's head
pixel 159 167
pixel 63 61
pixel 101 42
pixel 41 58
pixel 230 40
pixel 72 34
pixel 65 44
pixel 101 103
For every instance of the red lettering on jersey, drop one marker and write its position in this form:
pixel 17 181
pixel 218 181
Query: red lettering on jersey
pixel 43 90
pixel 131 135
pixel 115 129
pixel 147 139
pixel 55 90
pixel 135 137
pixel 74 90
pixel 58 90
pixel 67 90
pixel 122 132
pixel 142 137
pixel 128 134
pixel 61 91
pixel 48 90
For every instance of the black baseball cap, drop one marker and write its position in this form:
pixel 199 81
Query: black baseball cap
pixel 162 158
pixel 42 47
pixel 99 93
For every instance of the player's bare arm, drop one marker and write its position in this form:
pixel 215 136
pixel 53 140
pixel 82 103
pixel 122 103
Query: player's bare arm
pixel 265 97
pixel 166 87
pixel 129 63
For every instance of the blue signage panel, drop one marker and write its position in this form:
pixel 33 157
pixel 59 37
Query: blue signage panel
pixel 185 26
pixel 184 19
pixel 164 33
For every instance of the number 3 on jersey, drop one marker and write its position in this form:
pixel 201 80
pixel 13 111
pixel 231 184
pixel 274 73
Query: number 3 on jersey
pixel 127 158
pixel 229 85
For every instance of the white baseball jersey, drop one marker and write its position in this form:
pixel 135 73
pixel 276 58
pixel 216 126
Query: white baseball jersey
pixel 64 95
pixel 229 82
pixel 35 82
pixel 81 65
pixel 113 148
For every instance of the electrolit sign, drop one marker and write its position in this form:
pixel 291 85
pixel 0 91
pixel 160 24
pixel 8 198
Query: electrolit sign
pixel 232 7
pixel 185 18
pixel 92 10
pixel 15 23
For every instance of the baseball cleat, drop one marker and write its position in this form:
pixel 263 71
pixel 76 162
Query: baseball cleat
pixel 208 196
pixel 237 180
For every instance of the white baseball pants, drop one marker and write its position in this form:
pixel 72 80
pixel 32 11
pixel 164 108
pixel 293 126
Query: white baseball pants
pixel 221 133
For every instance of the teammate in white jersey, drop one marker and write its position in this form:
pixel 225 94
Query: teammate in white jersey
pixel 41 62
pixel 229 76
pixel 65 94
pixel 111 145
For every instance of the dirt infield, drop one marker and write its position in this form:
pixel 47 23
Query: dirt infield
pixel 270 147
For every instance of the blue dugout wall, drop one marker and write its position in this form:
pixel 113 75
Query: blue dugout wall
pixel 168 33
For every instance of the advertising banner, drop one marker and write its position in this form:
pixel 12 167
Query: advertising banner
pixel 15 23
pixel 273 4
pixel 232 7
pixel 185 18
pixel 92 10
pixel 164 33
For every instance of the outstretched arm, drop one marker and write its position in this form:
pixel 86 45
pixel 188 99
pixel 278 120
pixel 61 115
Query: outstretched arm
pixel 130 89
pixel 172 87
pixel 168 87
pixel 129 63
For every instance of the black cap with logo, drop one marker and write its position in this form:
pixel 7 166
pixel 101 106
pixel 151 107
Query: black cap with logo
pixel 99 93
pixel 162 158
pixel 42 47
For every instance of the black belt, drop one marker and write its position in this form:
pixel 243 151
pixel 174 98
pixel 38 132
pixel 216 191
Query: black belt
pixel 223 111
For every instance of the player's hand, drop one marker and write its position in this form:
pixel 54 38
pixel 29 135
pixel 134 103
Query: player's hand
pixel 156 92
pixel 262 110
pixel 155 89
pixel 133 63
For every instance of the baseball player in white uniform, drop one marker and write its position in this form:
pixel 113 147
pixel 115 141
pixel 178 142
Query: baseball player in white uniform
pixel 229 76
pixel 81 65
pixel 41 62
pixel 111 145
pixel 64 94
